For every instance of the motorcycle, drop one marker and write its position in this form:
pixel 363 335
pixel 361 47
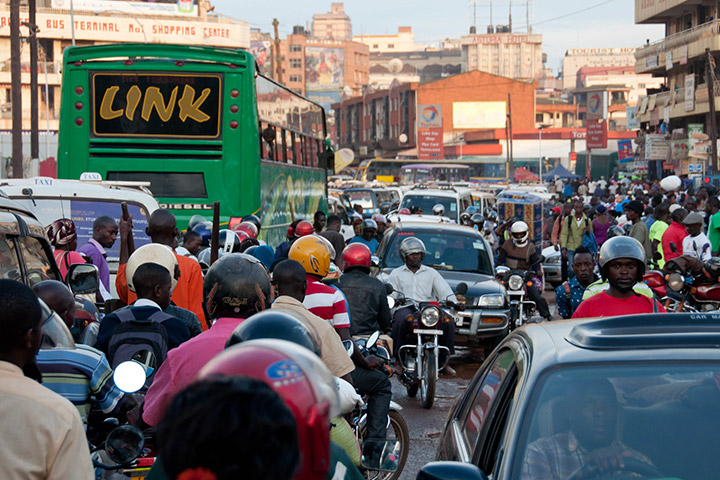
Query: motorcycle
pixel 516 283
pixel 393 452
pixel 423 361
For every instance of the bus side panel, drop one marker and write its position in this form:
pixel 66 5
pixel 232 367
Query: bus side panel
pixel 289 193
pixel 73 146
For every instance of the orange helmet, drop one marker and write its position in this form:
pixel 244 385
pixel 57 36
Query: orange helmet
pixel 304 228
pixel 313 254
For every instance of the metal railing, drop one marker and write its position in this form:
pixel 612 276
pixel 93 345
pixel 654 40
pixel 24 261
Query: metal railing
pixel 679 39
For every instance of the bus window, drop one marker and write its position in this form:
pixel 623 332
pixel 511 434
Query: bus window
pixel 407 176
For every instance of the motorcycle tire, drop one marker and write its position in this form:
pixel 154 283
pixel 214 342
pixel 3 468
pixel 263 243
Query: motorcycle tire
pixel 398 430
pixel 412 390
pixel 427 383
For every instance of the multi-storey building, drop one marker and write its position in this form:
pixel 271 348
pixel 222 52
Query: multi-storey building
pixel 577 58
pixel 514 55
pixel 333 25
pixel 403 41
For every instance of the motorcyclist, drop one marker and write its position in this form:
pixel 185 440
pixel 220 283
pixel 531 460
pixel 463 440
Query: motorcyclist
pixel 329 303
pixel 367 237
pixel 422 284
pixel 518 253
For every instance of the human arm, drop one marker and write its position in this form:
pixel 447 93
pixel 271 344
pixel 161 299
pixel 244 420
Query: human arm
pixel 441 289
pixel 562 299
pixel 71 456
pixel 102 385
pixel 565 232
pixel 121 285
pixel 502 255
pixel 384 315
pixel 124 232
pixel 177 332
pixel 107 327
pixel 161 392
pixel 195 292
pixel 536 465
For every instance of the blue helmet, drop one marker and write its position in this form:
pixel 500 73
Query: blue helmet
pixel 205 231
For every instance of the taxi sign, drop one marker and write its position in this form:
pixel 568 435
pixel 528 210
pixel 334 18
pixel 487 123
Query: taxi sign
pixel 91 176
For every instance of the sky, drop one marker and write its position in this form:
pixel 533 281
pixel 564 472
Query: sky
pixel 585 23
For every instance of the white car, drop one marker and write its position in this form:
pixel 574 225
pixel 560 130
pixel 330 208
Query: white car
pixel 454 200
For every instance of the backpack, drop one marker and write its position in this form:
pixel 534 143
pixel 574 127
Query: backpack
pixel 134 336
pixel 589 241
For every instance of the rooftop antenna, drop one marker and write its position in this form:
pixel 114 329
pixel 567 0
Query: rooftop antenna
pixel 510 19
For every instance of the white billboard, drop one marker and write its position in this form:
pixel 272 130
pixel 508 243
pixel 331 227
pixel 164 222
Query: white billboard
pixel 467 115
pixel 182 7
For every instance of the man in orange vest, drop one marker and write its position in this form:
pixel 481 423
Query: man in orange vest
pixel 162 229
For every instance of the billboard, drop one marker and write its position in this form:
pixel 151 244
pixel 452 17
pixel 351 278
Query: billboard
pixel 429 116
pixel 430 144
pixel 325 99
pixel 181 7
pixel 467 115
pixel 262 51
pixel 596 135
pixel 597 105
pixel 324 69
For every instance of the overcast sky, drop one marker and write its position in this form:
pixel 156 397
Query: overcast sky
pixel 603 23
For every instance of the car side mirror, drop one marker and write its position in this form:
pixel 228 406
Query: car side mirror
pixel 83 278
pixel 450 471
pixel 461 288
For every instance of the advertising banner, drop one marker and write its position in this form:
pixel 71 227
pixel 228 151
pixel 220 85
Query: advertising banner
pixel 656 147
pixel 429 116
pixel 326 99
pixel 596 105
pixel 430 144
pixel 668 61
pixel 479 115
pixel 699 141
pixel 596 135
pixel 263 56
pixel 690 92
pixel 625 151
pixel 182 7
pixel 631 118
pixel 682 56
pixel 324 69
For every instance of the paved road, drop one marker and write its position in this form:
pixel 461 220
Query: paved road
pixel 426 425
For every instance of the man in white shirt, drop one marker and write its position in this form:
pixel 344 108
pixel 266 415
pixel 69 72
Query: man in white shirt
pixel 44 438
pixel 422 284
pixel 696 244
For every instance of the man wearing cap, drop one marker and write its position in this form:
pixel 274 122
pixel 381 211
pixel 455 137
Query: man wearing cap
pixel 675 233
pixel 696 244
pixel 381 225
pixel 639 231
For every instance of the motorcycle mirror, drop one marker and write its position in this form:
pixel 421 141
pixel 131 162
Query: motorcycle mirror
pixel 349 347
pixel 124 444
pixel 461 288
pixel 375 261
pixel 372 340
pixel 129 376
pixel 391 302
pixel 83 278
pixel 381 455
pixel 501 270
pixel 388 289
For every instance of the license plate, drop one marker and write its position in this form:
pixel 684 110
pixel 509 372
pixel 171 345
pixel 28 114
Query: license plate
pixel 428 332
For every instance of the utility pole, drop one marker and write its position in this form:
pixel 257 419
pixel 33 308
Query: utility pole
pixel 510 139
pixel 712 124
pixel 16 83
pixel 278 65
pixel 34 107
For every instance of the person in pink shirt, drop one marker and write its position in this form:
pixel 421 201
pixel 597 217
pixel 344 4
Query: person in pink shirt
pixel 235 287
pixel 63 237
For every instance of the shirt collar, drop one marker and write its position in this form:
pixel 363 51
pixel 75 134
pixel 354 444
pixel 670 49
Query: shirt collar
pixel 146 302
pixel 10 368
pixel 287 300
pixel 422 268
pixel 100 248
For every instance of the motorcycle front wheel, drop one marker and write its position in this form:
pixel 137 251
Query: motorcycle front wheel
pixel 428 380
pixel 398 431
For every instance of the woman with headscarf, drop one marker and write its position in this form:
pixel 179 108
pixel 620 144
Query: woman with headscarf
pixel 63 238
pixel 601 224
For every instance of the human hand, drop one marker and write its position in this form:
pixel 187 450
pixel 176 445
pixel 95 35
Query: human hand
pixel 373 362
pixel 607 459
pixel 564 253
pixel 556 247
pixel 125 227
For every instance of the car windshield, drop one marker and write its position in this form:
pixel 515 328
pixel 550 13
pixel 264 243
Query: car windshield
pixel 445 251
pixel 662 420
pixel 427 202
pixel 361 197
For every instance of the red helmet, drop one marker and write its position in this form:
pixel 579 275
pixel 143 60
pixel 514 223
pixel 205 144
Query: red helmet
pixel 301 379
pixel 356 255
pixel 246 227
pixel 404 211
pixel 304 228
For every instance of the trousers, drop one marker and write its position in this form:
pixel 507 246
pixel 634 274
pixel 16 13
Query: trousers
pixel 376 385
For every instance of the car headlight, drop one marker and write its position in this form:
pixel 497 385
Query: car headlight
pixel 515 282
pixel 430 316
pixel 555 259
pixel 494 300
pixel 676 281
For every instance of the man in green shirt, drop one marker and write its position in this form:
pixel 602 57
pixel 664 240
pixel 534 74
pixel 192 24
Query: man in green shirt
pixel 662 215
pixel 639 231
pixel 711 208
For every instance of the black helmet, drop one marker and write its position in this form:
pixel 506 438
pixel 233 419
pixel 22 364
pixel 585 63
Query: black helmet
pixel 616 231
pixel 622 247
pixel 465 217
pixel 194 220
pixel 278 324
pixel 385 207
pixel 254 219
pixel 712 267
pixel 492 216
pixel 369 224
pixel 236 286
pixel 228 241
pixel 477 219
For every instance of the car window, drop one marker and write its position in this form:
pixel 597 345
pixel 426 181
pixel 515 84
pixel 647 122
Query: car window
pixel 484 395
pixel 9 266
pixel 458 252
pixel 427 202
pixel 36 261
pixel 663 418
pixel 383 196
pixel 466 202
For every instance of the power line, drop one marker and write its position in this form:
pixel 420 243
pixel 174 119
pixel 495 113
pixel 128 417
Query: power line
pixel 574 13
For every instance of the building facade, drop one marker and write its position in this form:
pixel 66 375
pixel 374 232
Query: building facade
pixel 403 41
pixel 333 25
pixel 577 58
pixel 513 55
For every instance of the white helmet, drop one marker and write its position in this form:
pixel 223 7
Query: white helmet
pixel 519 228
pixel 153 253
pixel 438 209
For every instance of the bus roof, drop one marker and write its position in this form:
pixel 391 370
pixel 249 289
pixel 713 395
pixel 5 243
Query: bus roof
pixel 233 56
pixel 434 165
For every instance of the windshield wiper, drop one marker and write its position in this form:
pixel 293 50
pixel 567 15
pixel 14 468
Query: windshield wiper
pixel 442 267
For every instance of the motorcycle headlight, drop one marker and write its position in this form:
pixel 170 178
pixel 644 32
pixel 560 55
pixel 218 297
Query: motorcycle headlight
pixel 676 281
pixel 515 282
pixel 430 317
pixel 495 300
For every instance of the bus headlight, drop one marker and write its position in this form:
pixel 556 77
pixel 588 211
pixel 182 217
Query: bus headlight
pixel 430 316
pixel 515 282
pixel 495 300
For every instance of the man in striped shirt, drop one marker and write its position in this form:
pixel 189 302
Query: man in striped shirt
pixel 80 373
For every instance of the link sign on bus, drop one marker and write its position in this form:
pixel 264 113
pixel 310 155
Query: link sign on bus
pixel 156 104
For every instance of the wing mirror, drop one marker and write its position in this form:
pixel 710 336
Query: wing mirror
pixel 450 471
pixel 372 340
pixel 461 288
pixel 83 278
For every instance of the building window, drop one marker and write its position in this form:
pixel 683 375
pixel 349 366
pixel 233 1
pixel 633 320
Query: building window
pixel 539 117
pixel 296 48
pixel 295 79
pixel 391 45
pixel 375 45
pixel 295 63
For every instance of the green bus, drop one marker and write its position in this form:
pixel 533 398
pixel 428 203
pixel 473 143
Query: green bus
pixel 201 125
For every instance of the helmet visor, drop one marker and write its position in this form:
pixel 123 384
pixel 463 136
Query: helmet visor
pixel 55 333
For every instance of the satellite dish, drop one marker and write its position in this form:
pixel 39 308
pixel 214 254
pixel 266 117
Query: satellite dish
pixel 347 91
pixel 403 138
pixel 395 65
pixel 671 183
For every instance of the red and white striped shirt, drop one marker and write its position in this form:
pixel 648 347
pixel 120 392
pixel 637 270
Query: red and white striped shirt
pixel 327 303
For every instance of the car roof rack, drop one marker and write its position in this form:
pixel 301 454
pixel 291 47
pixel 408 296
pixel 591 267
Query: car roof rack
pixel 648 331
